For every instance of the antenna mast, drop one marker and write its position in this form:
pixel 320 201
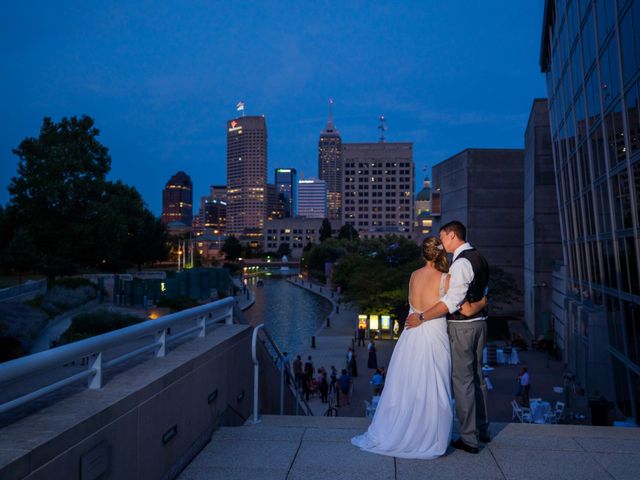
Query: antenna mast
pixel 383 128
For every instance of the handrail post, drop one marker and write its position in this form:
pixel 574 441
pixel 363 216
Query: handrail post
pixel 95 383
pixel 282 367
pixel 256 372
pixel 228 319
pixel 202 321
pixel 161 340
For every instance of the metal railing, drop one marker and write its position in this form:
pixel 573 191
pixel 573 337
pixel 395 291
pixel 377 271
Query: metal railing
pixel 94 348
pixel 286 377
pixel 24 288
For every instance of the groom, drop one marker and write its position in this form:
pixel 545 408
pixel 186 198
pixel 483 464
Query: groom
pixel 468 335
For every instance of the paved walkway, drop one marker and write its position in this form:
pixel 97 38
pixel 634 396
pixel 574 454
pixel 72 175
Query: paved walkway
pixel 332 344
pixel 319 448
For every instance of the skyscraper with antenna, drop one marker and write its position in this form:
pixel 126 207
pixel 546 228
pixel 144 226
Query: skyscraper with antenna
pixel 330 165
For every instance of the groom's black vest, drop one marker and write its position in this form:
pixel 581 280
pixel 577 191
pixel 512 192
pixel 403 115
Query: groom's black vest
pixel 477 286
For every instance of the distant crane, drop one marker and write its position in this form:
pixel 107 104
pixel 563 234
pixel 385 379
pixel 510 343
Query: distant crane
pixel 383 128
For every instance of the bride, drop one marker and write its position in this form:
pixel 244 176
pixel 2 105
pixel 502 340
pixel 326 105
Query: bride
pixel 415 413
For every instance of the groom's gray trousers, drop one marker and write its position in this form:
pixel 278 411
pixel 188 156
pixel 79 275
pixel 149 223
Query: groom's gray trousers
pixel 469 388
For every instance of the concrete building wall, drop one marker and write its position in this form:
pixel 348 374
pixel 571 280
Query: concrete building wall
pixel 146 423
pixel 542 241
pixel 483 188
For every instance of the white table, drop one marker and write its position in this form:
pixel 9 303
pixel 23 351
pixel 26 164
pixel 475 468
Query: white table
pixel 539 410
pixel 485 355
pixel 515 358
pixel 500 355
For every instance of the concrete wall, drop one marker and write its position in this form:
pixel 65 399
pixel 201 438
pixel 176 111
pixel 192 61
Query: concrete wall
pixel 483 188
pixel 542 242
pixel 124 430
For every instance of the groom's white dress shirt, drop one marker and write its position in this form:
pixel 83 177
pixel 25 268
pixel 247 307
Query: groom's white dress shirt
pixel 461 276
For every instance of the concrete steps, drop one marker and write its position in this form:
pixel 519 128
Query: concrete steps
pixel 290 447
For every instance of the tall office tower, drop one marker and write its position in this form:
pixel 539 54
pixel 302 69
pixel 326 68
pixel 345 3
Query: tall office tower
pixel 330 167
pixel 312 198
pixel 272 205
pixel 177 200
pixel 483 189
pixel 423 223
pixel 378 188
pixel 246 177
pixel 218 192
pixel 590 54
pixel 214 215
pixel 286 184
pixel 542 244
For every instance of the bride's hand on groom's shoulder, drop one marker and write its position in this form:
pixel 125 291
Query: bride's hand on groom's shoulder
pixel 413 320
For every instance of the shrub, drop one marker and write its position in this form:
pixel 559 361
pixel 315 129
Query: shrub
pixel 88 325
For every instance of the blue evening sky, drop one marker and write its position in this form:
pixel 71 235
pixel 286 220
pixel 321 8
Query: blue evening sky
pixel 161 78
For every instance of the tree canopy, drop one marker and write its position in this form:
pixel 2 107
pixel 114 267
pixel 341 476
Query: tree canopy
pixel 232 248
pixel 325 230
pixel 63 214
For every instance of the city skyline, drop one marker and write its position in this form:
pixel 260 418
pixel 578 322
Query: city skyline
pixel 161 89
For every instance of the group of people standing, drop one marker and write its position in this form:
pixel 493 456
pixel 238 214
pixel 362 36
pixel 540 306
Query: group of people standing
pixel 322 382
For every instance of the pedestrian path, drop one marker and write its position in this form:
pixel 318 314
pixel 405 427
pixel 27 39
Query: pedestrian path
pixel 332 343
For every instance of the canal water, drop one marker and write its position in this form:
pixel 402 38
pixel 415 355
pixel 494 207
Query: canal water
pixel 291 314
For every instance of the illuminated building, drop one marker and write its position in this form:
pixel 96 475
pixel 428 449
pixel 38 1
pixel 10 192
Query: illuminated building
pixel 177 203
pixel 378 188
pixel 330 166
pixel 312 198
pixel 286 191
pixel 423 210
pixel 246 177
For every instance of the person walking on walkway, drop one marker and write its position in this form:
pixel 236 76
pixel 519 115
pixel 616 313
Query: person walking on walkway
pixel 345 387
pixel 297 371
pixel 361 335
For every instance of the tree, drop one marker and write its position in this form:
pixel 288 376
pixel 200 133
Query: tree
pixel 325 230
pixel 503 289
pixel 64 214
pixel 348 232
pixel 232 248
pixel 60 181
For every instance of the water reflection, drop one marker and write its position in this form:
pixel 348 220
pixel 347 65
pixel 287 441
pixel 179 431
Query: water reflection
pixel 291 315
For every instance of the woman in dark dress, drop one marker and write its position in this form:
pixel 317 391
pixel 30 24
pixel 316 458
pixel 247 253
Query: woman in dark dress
pixel 372 362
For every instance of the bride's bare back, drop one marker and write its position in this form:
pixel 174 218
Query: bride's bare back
pixel 424 288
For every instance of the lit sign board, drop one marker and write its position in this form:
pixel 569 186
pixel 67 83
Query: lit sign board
pixel 385 320
pixel 235 127
pixel 373 322
pixel 283 170
pixel 362 321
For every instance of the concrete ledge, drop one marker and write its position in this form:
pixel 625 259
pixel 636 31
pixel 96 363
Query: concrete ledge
pixel 123 424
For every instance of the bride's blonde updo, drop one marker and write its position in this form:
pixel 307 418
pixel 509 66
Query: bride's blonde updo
pixel 433 251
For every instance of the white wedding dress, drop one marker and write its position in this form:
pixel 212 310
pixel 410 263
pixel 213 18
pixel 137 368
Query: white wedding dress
pixel 415 413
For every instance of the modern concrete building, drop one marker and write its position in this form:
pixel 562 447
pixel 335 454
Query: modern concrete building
pixel 590 54
pixel 542 243
pixel 246 177
pixel 378 188
pixel 330 167
pixel 312 198
pixel 297 232
pixel 219 192
pixel 483 188
pixel 177 200
pixel 286 190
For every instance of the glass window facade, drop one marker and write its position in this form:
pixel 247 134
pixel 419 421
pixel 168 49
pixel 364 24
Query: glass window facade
pixel 591 59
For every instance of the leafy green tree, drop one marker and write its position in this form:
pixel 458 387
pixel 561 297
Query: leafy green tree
pixel 61 178
pixel 63 214
pixel 503 289
pixel 325 230
pixel 348 232
pixel 232 248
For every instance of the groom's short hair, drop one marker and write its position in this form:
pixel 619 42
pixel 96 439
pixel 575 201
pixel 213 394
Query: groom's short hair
pixel 456 227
